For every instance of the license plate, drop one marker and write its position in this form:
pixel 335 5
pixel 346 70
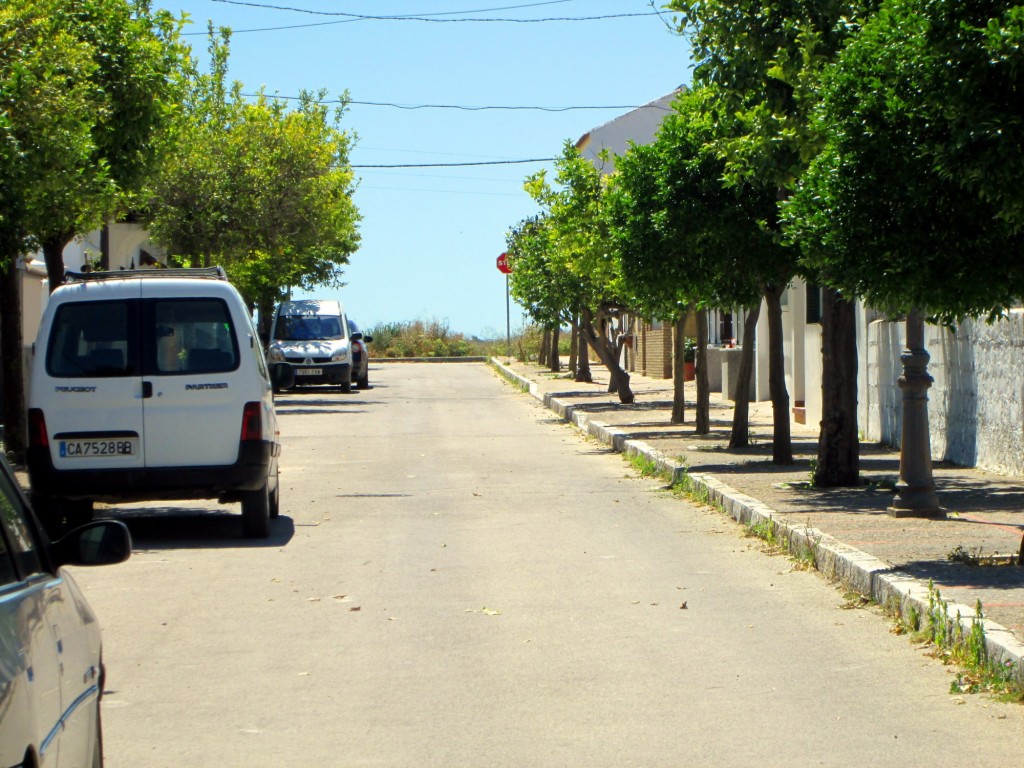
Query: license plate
pixel 309 371
pixel 88 449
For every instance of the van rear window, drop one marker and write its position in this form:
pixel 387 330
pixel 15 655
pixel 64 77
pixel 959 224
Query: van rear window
pixel 192 336
pixel 152 337
pixel 94 338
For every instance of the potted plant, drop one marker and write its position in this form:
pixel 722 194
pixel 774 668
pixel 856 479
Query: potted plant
pixel 689 359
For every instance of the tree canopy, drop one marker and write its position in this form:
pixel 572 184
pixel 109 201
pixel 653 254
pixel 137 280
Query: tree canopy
pixel 903 206
pixel 262 189
pixel 567 257
pixel 681 234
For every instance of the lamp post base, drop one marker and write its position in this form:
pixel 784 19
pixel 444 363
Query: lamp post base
pixel 916 502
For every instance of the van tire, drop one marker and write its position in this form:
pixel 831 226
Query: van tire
pixel 275 496
pixel 256 513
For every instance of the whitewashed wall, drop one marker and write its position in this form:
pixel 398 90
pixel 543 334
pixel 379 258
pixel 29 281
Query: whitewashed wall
pixel 976 403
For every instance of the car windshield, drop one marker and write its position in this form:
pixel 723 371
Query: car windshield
pixel 305 328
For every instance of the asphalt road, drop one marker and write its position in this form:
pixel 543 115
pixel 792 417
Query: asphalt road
pixel 457 579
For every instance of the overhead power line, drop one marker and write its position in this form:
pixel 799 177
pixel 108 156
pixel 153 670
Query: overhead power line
pixel 467 108
pixel 458 165
pixel 433 18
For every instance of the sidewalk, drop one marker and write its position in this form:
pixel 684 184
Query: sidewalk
pixel 892 560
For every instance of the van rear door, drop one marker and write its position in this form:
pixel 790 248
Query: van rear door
pixel 194 380
pixel 92 363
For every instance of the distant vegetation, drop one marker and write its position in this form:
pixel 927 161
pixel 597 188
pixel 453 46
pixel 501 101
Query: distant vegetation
pixel 433 338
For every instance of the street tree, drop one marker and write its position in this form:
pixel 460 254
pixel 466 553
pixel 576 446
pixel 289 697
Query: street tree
pixel 880 213
pixel 135 88
pixel 548 294
pixel 686 238
pixel 49 111
pixel 262 188
pixel 765 58
pixel 899 206
pixel 578 254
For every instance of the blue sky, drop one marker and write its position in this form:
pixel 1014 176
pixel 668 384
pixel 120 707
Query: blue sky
pixel 430 236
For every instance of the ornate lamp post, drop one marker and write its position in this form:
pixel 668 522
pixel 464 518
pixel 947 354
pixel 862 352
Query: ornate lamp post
pixel 915 492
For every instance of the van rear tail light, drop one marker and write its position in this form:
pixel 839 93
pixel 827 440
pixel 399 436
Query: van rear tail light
pixel 37 429
pixel 252 422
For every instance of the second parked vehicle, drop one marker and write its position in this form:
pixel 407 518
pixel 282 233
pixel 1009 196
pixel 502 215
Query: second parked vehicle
pixel 311 343
pixel 360 356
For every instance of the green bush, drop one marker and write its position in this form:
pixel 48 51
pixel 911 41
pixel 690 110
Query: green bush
pixel 433 338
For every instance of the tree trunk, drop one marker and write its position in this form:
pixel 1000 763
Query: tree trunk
pixel 838 441
pixel 606 352
pixel 53 253
pixel 740 437
pixel 545 345
pixel 574 347
pixel 678 363
pixel 555 360
pixel 782 445
pixel 583 372
pixel 15 427
pixel 105 247
pixel 703 421
pixel 265 309
pixel 613 384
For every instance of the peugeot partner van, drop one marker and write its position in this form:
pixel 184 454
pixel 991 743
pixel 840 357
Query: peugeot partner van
pixel 311 340
pixel 150 385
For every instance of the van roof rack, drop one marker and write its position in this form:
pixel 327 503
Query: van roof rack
pixel 213 273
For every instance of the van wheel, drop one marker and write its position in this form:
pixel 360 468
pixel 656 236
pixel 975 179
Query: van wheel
pixel 363 382
pixel 275 496
pixel 256 513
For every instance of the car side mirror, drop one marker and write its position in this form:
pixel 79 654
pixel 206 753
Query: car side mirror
pixel 357 336
pixel 282 376
pixel 367 339
pixel 103 542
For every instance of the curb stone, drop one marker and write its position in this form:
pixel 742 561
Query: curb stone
pixel 858 571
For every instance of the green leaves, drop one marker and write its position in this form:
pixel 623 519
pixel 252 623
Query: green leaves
pixel 262 189
pixel 562 258
pixel 910 202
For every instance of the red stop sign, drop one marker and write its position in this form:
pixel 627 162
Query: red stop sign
pixel 503 265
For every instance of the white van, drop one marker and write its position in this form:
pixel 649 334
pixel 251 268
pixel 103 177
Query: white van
pixel 151 385
pixel 311 343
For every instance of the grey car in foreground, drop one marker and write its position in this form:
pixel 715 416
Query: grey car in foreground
pixel 51 667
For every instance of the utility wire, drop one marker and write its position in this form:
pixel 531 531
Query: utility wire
pixel 465 108
pixel 458 165
pixel 397 16
pixel 432 17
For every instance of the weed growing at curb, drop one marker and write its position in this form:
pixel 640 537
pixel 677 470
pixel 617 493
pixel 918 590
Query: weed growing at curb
pixel 643 464
pixel 764 529
pixel 978 673
pixel 694 491
pixel 807 555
